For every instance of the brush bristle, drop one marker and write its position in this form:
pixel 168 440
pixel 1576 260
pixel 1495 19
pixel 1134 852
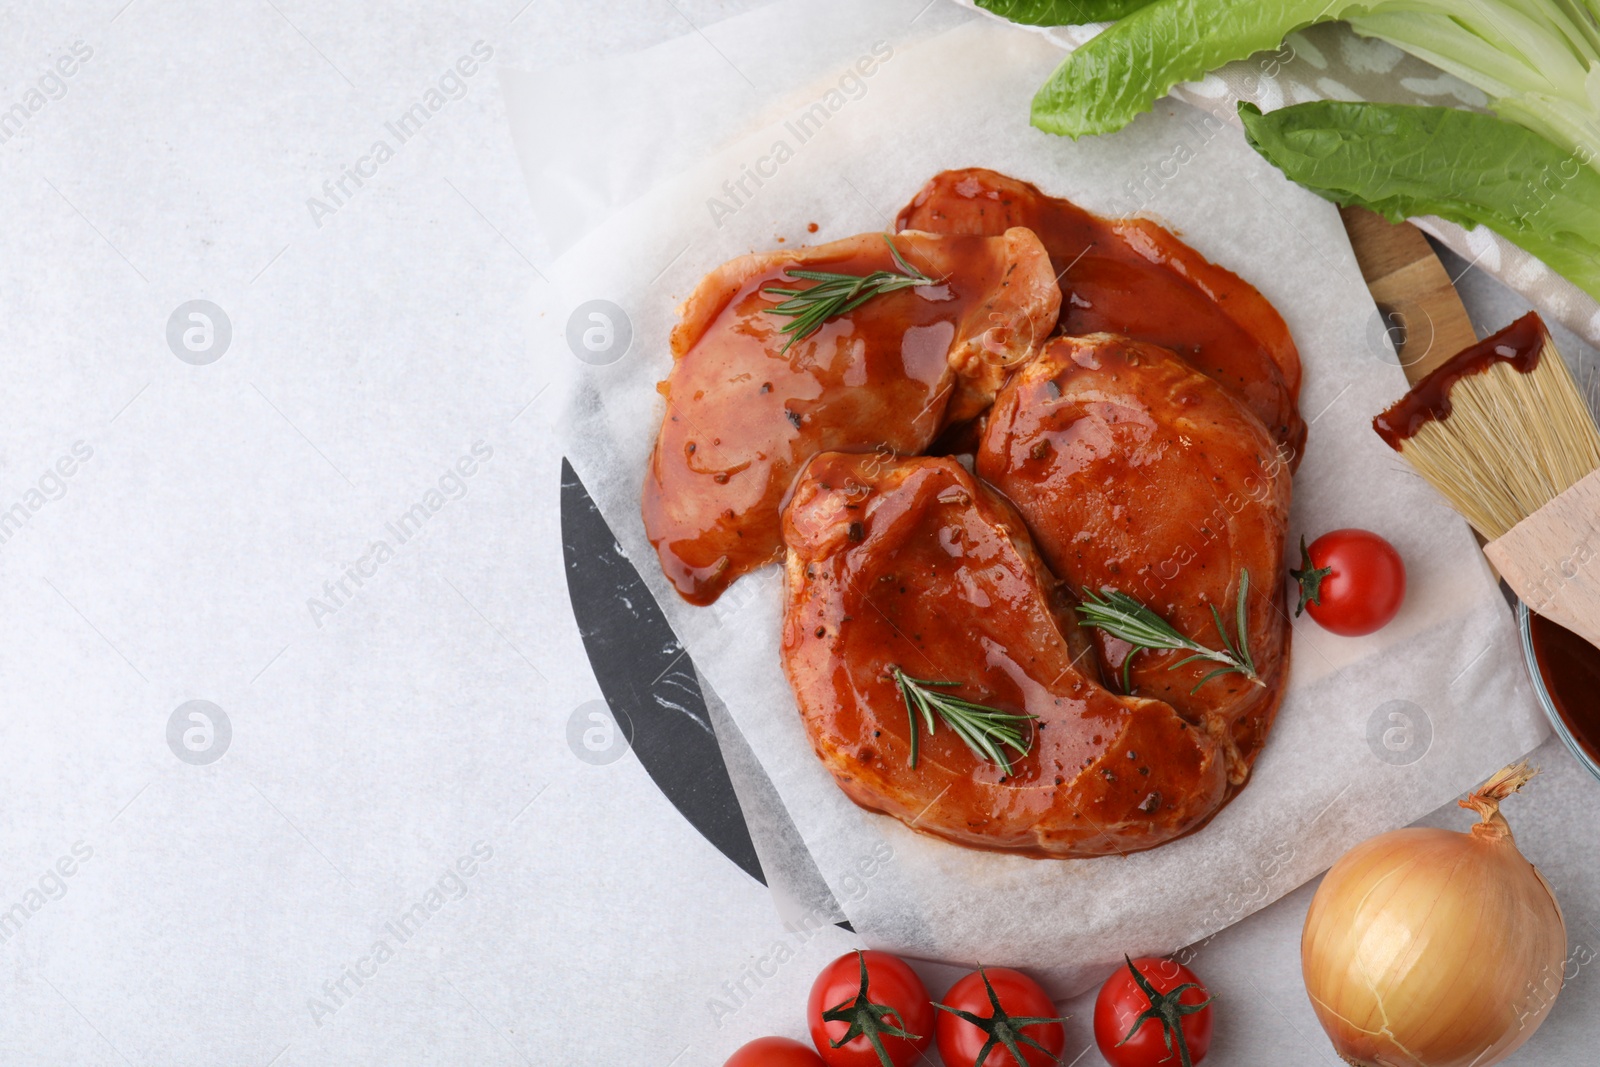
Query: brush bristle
pixel 1511 442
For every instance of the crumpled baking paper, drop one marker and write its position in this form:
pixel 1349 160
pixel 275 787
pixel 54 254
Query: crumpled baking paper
pixel 1374 731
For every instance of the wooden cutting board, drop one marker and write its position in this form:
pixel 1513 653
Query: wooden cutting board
pixel 1413 291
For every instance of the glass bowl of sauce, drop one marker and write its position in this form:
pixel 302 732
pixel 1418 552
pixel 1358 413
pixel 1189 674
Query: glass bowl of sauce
pixel 1566 678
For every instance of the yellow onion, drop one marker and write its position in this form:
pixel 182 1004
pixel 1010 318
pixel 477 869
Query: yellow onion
pixel 1432 948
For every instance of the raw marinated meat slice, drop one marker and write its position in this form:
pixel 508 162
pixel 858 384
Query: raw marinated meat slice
pixel 745 410
pixel 1136 472
pixel 1133 277
pixel 915 564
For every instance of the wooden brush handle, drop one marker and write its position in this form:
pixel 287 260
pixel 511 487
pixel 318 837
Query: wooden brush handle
pixel 1409 284
pixel 1411 288
pixel 1551 559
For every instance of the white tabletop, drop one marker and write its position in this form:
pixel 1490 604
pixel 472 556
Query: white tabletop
pixel 382 759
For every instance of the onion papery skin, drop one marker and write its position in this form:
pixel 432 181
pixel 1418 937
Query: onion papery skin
pixel 1432 948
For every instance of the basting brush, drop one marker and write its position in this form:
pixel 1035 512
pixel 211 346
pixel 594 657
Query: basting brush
pixel 1503 432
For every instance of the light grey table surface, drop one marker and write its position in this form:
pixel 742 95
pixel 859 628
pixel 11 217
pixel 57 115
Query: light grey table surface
pixel 385 738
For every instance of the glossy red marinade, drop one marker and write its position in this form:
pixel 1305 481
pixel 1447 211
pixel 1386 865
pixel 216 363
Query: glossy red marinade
pixel 743 415
pixel 916 564
pixel 1134 277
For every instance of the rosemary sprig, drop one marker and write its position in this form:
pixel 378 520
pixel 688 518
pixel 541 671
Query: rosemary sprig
pixel 987 731
pixel 838 294
pixel 1120 615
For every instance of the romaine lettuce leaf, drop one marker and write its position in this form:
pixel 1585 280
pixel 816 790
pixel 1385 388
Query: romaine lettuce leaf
pixel 1538 60
pixel 1470 168
pixel 1103 85
pixel 1062 12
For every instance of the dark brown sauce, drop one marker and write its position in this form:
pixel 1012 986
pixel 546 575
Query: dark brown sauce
pixel 1519 344
pixel 1570 667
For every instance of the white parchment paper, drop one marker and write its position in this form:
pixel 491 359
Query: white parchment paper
pixel 1374 731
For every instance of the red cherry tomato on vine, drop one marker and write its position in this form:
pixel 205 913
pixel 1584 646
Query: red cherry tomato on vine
pixel 876 1006
pixel 1351 581
pixel 993 1023
pixel 774 1052
pixel 1183 1018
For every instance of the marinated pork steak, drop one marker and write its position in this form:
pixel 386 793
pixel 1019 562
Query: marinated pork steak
pixel 914 564
pixel 1133 277
pixel 1137 473
pixel 745 409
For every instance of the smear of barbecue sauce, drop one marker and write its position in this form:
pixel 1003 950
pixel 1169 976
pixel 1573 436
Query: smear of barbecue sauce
pixel 1519 344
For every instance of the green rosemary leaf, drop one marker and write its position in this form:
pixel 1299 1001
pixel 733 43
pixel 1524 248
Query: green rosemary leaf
pixel 987 731
pixel 1124 617
pixel 912 705
pixel 838 294
pixel 1241 623
pixel 1214 674
pixel 900 261
pixel 1227 643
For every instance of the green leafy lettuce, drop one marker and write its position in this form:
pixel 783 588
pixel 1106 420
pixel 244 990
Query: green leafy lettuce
pixel 1062 12
pixel 1467 167
pixel 1106 83
pixel 1538 60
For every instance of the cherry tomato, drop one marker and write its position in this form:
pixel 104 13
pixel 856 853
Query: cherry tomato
pixel 1183 1017
pixel 878 1003
pixel 1351 581
pixel 994 1016
pixel 774 1052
